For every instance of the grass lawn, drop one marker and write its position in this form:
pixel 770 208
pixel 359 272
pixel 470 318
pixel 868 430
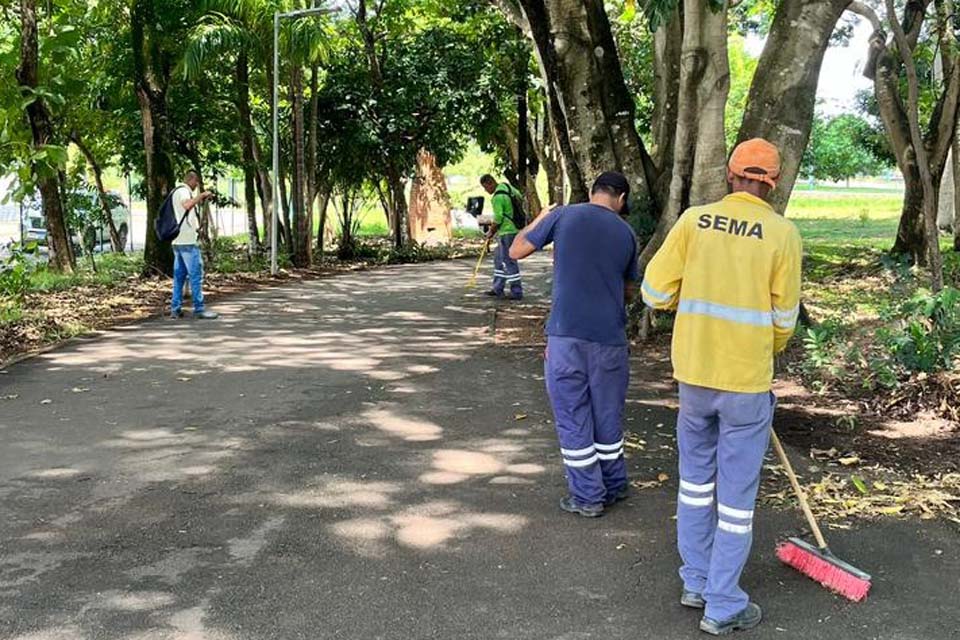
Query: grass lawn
pixel 852 217
pixel 110 268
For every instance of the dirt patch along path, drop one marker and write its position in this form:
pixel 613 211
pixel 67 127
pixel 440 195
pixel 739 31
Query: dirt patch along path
pixel 352 458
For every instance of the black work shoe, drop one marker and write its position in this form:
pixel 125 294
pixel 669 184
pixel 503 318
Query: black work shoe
pixel 515 296
pixel 570 505
pixel 619 496
pixel 493 294
pixel 692 599
pixel 746 619
pixel 176 315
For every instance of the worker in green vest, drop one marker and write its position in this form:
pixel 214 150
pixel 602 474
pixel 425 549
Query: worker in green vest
pixel 508 218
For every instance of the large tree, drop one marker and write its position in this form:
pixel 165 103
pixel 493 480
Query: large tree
pixel 919 150
pixel 47 158
pixel 156 29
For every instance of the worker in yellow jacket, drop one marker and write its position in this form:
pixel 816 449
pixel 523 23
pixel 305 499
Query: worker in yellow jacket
pixel 731 270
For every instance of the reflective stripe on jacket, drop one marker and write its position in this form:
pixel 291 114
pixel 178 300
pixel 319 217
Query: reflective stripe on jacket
pixel 731 270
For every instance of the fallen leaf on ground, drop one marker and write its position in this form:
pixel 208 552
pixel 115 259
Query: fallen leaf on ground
pixel 79 390
pixel 520 416
pixel 859 484
pixel 663 477
pixel 649 484
pixel 851 460
pixel 46 401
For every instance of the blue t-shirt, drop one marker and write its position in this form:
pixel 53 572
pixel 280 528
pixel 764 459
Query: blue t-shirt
pixel 595 253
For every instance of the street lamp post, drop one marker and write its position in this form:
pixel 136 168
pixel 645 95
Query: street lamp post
pixel 275 209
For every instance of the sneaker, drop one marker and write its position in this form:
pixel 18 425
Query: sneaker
pixel 176 315
pixel 206 315
pixel 692 599
pixel 746 619
pixel 570 505
pixel 613 499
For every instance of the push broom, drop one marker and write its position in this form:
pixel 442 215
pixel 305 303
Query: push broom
pixel 818 562
pixel 472 282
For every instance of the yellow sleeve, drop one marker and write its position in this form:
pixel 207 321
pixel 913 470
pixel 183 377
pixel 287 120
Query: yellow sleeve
pixel 664 274
pixel 785 291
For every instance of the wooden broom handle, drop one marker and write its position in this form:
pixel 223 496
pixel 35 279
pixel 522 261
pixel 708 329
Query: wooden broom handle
pixel 801 496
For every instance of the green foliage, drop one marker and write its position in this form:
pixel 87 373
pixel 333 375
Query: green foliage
pixel 840 148
pixel 742 67
pixel 635 46
pixel 927 338
pixel 411 253
pixel 659 12
pixel 15 271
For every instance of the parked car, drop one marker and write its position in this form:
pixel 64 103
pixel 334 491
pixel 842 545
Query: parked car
pixel 96 237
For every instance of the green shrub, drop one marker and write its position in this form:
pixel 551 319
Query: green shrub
pixel 16 269
pixel 927 338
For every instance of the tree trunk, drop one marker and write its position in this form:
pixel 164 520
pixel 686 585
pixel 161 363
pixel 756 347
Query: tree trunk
pixel 302 231
pixel 667 50
pixel 910 232
pixel 116 242
pixel 285 231
pixel 917 234
pixel 264 189
pixel 698 172
pixel 41 127
pixel 931 234
pixel 322 216
pixel 548 157
pixel 398 203
pixel 782 97
pixel 312 149
pixel 509 143
pixel 150 78
pixel 246 144
pixel 592 110
pixel 955 157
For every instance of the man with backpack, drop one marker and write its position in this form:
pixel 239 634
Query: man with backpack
pixel 508 218
pixel 187 258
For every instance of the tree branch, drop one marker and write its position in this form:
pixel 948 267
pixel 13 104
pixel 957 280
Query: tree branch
pixel 866 11
pixel 514 13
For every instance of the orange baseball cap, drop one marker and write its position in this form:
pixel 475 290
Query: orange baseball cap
pixel 756 159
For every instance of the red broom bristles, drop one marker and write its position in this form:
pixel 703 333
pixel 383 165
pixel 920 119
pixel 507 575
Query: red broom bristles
pixel 823 571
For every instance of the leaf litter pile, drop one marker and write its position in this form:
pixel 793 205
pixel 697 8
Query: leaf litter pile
pixel 837 499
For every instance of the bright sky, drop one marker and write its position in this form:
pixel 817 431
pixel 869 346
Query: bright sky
pixel 841 76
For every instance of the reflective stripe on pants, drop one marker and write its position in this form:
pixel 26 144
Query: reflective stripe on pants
pixel 722 438
pixel 587 384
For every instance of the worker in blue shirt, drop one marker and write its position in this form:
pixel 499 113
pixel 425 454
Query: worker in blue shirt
pixel 587 360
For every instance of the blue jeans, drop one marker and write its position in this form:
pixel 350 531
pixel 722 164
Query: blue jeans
pixel 587 383
pixel 187 261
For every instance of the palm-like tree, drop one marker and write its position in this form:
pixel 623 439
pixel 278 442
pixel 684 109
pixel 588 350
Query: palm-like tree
pixel 243 29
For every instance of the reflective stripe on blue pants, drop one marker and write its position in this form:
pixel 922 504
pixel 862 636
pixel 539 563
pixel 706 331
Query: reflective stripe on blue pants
pixel 587 384
pixel 506 270
pixel 722 437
